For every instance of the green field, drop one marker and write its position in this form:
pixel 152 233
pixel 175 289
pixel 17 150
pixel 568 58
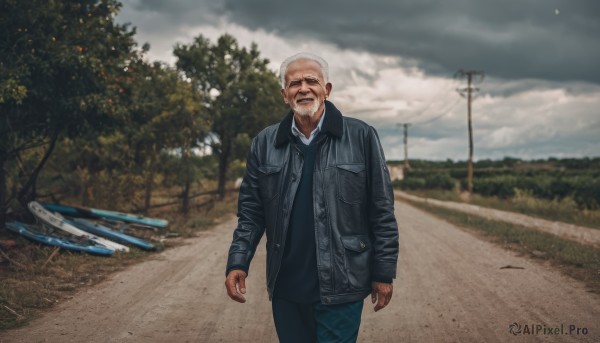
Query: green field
pixel 566 190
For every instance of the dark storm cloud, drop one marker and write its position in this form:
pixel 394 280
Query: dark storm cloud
pixel 539 98
pixel 510 39
pixel 507 88
pixel 184 12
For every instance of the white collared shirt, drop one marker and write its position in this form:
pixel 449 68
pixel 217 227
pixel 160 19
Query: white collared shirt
pixel 313 134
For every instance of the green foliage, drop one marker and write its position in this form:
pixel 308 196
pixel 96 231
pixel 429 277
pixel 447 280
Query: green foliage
pixel 60 70
pixel 524 200
pixel 440 181
pixel 242 94
pixel 163 121
pixel 501 186
pixel 576 180
pixel 584 190
pixel 426 181
pixel 237 169
pixel 60 62
pixel 410 183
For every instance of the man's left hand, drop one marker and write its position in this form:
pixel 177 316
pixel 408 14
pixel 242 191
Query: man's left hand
pixel 381 294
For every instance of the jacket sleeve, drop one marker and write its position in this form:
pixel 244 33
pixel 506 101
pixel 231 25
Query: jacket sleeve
pixel 382 221
pixel 251 223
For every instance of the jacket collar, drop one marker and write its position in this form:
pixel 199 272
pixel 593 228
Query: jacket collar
pixel 333 124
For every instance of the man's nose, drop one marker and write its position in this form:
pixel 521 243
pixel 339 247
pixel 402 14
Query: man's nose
pixel 304 87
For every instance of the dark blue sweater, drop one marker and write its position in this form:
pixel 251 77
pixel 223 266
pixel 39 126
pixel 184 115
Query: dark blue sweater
pixel 298 280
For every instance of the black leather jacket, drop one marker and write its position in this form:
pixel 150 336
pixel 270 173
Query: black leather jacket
pixel 355 228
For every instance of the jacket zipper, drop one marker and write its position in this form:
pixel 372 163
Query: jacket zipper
pixel 328 227
pixel 282 245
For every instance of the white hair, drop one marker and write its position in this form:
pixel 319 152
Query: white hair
pixel 303 56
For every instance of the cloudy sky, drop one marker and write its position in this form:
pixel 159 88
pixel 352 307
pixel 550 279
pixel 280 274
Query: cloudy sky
pixel 394 61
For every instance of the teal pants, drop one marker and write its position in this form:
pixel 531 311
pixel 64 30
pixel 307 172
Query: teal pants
pixel 309 323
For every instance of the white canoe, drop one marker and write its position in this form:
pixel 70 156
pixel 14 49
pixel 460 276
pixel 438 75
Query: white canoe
pixel 55 221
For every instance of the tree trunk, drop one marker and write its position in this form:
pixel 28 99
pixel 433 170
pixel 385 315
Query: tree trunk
pixel 185 194
pixel 27 192
pixel 186 197
pixel 3 159
pixel 223 168
pixel 3 190
pixel 84 178
pixel 150 180
pixel 148 195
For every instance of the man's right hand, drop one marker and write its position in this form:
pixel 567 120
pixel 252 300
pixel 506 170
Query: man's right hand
pixel 236 285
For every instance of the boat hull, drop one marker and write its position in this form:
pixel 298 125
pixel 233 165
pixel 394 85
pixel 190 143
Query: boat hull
pixel 33 235
pixel 51 219
pixel 82 212
pixel 107 233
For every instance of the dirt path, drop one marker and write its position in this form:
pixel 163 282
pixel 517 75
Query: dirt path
pixel 576 233
pixel 450 288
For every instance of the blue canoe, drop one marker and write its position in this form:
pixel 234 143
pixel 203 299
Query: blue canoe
pixel 31 234
pixel 82 212
pixel 107 233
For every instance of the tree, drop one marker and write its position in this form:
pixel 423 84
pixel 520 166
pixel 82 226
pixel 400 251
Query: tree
pixel 59 70
pixel 243 94
pixel 188 118
pixel 165 116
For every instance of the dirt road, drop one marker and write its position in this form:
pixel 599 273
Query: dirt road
pixel 579 234
pixel 450 288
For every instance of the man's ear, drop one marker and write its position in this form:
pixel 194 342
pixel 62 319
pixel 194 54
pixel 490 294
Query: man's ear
pixel 283 95
pixel 328 87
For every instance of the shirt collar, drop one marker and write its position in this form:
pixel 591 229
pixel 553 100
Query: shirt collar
pixel 306 140
pixel 333 125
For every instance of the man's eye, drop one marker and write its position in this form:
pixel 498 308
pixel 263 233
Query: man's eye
pixel 312 81
pixel 294 83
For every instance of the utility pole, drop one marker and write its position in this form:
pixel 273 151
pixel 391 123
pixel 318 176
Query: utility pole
pixel 405 125
pixel 472 76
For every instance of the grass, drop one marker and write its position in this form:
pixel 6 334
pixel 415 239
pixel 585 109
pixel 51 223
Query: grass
pixel 564 210
pixel 206 218
pixel 579 261
pixel 39 282
pixel 34 281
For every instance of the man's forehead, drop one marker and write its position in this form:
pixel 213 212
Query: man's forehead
pixel 304 68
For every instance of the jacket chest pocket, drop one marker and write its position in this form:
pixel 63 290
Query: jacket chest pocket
pixel 268 182
pixel 351 183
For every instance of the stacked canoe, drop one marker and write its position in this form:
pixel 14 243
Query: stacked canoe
pixel 84 235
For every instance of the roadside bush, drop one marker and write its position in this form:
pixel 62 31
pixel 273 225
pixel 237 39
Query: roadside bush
pixel 538 186
pixel 550 180
pixel 526 202
pixel 500 186
pixel 410 183
pixel 440 181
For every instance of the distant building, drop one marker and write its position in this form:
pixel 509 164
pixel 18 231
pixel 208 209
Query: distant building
pixel 396 172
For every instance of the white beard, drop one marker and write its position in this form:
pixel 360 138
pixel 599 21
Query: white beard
pixel 306 111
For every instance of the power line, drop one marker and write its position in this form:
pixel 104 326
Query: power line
pixel 444 113
pixel 431 103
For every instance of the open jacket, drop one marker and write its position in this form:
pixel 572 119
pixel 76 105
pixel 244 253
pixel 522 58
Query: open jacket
pixel 356 233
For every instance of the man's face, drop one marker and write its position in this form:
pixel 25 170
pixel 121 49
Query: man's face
pixel 305 90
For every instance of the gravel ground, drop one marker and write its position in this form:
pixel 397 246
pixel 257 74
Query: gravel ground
pixel 450 288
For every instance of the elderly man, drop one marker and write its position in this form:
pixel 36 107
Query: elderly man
pixel 317 182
